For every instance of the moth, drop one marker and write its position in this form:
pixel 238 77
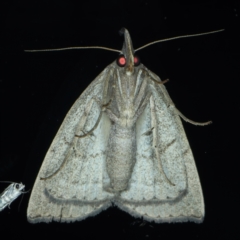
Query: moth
pixel 12 192
pixel 122 143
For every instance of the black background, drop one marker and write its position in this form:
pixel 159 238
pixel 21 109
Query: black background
pixel 37 90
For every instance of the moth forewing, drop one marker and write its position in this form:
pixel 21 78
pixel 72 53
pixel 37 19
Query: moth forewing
pixel 121 143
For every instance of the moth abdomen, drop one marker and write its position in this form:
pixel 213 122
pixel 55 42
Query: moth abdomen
pixel 121 156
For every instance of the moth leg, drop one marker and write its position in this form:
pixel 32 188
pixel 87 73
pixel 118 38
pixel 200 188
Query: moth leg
pixel 172 105
pixel 120 98
pixel 141 108
pixel 103 106
pixel 155 140
pixel 139 96
pixel 84 118
pixel 119 95
pixel 142 95
pixel 155 77
pixel 73 143
pixel 140 88
pixel 191 121
pixel 158 82
pixel 112 116
pixel 103 109
pixel 95 126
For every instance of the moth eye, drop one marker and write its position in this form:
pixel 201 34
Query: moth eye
pixel 121 61
pixel 136 61
pixel 17 186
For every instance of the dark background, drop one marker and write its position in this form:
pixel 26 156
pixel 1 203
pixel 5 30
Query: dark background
pixel 37 90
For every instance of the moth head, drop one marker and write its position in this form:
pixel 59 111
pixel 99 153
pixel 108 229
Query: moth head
pixel 127 59
pixel 19 186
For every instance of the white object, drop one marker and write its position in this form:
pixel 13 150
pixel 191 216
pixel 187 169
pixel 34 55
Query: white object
pixel 121 143
pixel 12 192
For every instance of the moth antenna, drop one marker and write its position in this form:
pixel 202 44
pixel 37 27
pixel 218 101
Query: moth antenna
pixel 73 48
pixel 115 50
pixel 6 182
pixel 173 38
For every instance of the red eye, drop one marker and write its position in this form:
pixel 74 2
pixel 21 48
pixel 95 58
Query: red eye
pixel 136 61
pixel 121 61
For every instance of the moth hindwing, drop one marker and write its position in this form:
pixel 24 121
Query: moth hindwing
pixel 121 143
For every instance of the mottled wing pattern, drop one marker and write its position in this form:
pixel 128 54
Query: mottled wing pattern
pixel 75 166
pixel 165 185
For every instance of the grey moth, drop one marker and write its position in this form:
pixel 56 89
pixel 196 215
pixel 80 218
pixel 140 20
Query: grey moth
pixel 122 143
